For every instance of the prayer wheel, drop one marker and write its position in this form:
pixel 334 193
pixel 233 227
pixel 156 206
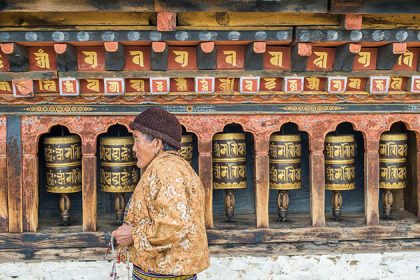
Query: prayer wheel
pixel 339 168
pixel 63 170
pixel 118 170
pixel 393 150
pixel 229 166
pixel 285 171
pixel 186 151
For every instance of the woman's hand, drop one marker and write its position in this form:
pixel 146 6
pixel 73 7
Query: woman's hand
pixel 123 235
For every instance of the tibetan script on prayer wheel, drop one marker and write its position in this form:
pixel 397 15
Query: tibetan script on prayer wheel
pixel 63 164
pixel 285 153
pixel 339 163
pixel 186 151
pixel 118 171
pixel 392 161
pixel 229 161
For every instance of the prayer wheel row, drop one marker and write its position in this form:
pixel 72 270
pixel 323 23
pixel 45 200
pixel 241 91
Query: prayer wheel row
pixel 118 170
pixel 119 173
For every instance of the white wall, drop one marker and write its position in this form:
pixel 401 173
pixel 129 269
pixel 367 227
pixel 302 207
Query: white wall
pixel 398 265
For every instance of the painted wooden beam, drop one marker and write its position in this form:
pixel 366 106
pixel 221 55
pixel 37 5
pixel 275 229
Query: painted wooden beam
pixel 300 54
pixel 17 55
pixel 374 7
pixel 114 56
pixel 353 22
pixel 159 56
pixel 388 55
pixel 166 21
pixel 254 55
pixel 206 56
pixel 66 57
pixel 344 57
pixel 281 35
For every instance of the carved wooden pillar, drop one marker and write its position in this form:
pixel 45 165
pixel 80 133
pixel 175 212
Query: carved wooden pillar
pixel 89 195
pixel 262 190
pixel 4 213
pixel 372 178
pixel 205 172
pixel 317 180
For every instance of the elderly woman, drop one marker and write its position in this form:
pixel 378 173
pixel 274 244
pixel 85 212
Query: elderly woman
pixel 163 230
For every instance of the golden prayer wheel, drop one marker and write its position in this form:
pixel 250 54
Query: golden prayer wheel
pixel 63 170
pixel 118 170
pixel 229 166
pixel 285 171
pixel 393 150
pixel 186 151
pixel 339 168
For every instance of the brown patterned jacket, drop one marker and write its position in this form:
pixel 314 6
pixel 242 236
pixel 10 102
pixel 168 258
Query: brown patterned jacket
pixel 166 213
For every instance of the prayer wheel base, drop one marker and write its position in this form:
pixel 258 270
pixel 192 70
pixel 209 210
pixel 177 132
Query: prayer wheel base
pixel 337 202
pixel 119 203
pixel 230 205
pixel 65 205
pixel 283 204
pixel 387 200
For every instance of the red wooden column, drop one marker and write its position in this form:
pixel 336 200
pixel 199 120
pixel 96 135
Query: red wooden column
pixel 4 211
pixel 317 179
pixel 206 174
pixel 262 179
pixel 372 178
pixel 89 195
pixel 30 191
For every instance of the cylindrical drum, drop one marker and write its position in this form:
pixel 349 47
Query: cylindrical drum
pixel 392 160
pixel 229 161
pixel 63 157
pixel 285 154
pixel 186 151
pixel 339 163
pixel 118 171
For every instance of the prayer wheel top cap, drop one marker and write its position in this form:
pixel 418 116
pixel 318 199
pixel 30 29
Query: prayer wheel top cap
pixel 117 140
pixel 186 138
pixel 229 136
pixel 70 139
pixel 394 137
pixel 287 137
pixel 339 138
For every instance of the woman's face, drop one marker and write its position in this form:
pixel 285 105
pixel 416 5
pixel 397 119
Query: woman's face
pixel 145 151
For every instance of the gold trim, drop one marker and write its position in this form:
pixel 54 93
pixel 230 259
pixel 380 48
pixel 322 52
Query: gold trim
pixel 229 136
pixel 339 138
pixel 242 159
pixel 292 137
pixel 67 164
pixel 313 108
pixel 117 189
pixel 339 187
pixel 186 139
pixel 112 164
pixel 113 141
pixel 53 189
pixel 71 139
pixel 395 185
pixel 286 186
pixel 227 186
pixel 285 160
pixel 59 109
pixel 339 161
pixel 393 137
pixel 393 160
